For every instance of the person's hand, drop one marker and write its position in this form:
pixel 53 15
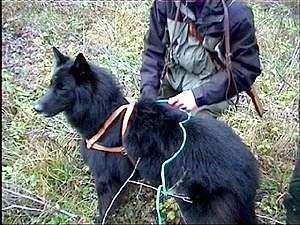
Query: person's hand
pixel 185 101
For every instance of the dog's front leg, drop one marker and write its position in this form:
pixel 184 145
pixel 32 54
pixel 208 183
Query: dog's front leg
pixel 105 196
pixel 106 192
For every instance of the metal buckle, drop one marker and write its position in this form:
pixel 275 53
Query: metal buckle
pixel 88 144
pixel 123 151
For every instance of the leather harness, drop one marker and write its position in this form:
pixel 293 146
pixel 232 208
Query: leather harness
pixel 91 143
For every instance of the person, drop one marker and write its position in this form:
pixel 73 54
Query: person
pixel 184 54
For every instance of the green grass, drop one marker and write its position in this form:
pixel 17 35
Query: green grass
pixel 40 156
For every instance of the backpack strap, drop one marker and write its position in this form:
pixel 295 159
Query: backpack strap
pixel 252 92
pixel 167 56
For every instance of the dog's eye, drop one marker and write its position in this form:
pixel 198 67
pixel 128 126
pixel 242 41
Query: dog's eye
pixel 60 86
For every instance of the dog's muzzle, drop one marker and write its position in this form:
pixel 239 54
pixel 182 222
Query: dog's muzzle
pixel 39 108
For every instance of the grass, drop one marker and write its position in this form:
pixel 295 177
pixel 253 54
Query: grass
pixel 41 165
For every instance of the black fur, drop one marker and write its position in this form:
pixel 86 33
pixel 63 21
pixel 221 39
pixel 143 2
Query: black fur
pixel 216 169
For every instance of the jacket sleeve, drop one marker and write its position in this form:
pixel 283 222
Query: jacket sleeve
pixel 153 56
pixel 245 64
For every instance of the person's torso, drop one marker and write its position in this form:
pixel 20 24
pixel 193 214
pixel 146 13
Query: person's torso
pixel 189 58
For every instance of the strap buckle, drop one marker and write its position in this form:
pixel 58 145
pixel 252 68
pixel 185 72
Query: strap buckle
pixel 123 151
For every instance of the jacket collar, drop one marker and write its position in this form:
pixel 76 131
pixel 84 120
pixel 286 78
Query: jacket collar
pixel 210 19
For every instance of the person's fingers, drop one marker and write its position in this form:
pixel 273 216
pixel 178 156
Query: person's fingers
pixel 172 100
pixel 178 105
pixel 184 101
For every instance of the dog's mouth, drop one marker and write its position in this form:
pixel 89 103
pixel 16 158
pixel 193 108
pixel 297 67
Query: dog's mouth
pixel 46 114
pixel 40 110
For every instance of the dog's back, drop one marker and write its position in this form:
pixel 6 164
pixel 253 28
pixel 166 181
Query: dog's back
pixel 215 169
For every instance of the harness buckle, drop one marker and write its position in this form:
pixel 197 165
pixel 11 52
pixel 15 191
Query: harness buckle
pixel 88 144
pixel 123 151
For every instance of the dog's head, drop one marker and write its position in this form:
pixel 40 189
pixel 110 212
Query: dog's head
pixel 67 74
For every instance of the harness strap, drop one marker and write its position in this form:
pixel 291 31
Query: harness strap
pixel 91 143
pixel 126 118
pixel 116 150
pixel 107 123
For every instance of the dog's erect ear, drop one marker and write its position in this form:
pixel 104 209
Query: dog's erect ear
pixel 80 66
pixel 59 57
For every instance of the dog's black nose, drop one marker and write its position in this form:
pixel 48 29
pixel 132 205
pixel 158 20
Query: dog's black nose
pixel 38 107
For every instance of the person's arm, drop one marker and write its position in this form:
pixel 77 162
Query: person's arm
pixel 245 62
pixel 154 51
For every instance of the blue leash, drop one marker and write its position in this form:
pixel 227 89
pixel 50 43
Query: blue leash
pixel 162 189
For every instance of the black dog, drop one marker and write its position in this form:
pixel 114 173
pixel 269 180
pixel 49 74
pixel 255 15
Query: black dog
pixel 216 169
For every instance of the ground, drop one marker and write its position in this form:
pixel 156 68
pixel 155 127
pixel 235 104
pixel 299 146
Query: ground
pixel 43 176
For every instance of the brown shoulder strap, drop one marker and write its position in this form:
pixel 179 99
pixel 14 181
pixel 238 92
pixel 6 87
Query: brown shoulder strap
pixel 227 37
pixel 228 52
pixel 252 92
pixel 167 58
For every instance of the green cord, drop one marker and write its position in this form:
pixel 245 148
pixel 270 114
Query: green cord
pixel 160 219
pixel 163 185
pixel 162 101
pixel 175 155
